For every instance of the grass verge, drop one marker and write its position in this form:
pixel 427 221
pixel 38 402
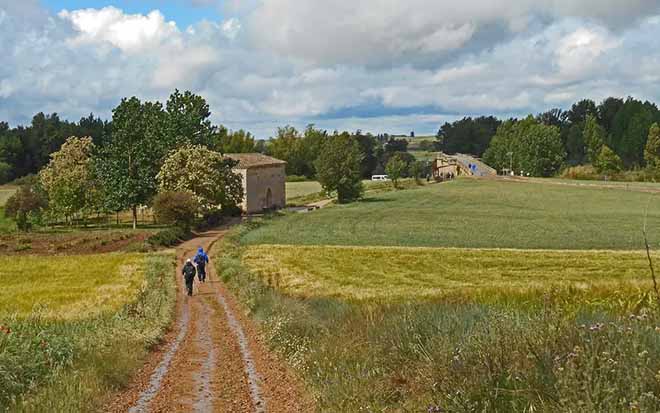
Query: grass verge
pixel 52 363
pixel 562 354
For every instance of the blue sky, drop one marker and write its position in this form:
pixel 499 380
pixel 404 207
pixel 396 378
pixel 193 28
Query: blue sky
pixel 377 65
pixel 179 11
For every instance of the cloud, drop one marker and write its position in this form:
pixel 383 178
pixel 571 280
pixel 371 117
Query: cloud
pixel 379 66
pixel 130 33
pixel 386 32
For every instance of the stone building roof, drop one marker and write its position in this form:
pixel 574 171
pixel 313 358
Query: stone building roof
pixel 254 160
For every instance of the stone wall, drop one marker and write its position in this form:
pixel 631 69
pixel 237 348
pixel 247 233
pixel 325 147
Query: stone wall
pixel 265 188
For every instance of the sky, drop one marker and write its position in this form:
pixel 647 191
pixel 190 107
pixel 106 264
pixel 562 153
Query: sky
pixel 391 66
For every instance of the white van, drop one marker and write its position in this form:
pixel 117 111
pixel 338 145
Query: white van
pixel 380 178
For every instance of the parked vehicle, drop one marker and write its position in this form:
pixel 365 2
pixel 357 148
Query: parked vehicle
pixel 380 178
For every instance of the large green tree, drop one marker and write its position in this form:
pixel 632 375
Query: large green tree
pixel 468 135
pixel 188 119
pixel 208 175
pixel 129 162
pixel 69 179
pixel 339 167
pixel 532 147
pixel 238 141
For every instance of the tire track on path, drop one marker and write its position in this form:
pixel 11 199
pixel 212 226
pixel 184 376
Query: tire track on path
pixel 213 361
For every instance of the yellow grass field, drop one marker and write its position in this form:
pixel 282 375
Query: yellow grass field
pixel 69 287
pixel 399 272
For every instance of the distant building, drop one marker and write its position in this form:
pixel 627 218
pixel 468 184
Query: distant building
pixel 445 167
pixel 264 180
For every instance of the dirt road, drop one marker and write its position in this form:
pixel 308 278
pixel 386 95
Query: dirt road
pixel 213 359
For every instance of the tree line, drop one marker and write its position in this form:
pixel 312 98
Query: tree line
pixel 612 136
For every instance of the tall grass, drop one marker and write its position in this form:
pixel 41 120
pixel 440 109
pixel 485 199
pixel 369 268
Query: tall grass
pixel 556 353
pixel 50 364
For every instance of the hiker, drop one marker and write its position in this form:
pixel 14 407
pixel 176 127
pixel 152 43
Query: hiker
pixel 201 259
pixel 189 275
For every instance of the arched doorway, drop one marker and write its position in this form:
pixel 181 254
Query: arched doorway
pixel 269 199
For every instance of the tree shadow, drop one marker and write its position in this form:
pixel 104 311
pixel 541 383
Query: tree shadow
pixel 372 200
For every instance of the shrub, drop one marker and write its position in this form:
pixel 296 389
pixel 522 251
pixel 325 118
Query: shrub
pixel 169 237
pixel 581 172
pixel 26 206
pixel 178 208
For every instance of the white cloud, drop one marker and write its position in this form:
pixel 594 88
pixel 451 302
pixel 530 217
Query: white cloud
pixel 386 31
pixel 380 66
pixel 130 33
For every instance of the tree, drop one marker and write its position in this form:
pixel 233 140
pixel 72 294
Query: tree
pixel 338 167
pixel 188 119
pixel 234 142
pixel 206 174
pixel 5 172
pixel 607 161
pixel 652 148
pixel 287 146
pixel 581 110
pixel 535 148
pixel 607 111
pixel 594 137
pixel 467 135
pixel 417 170
pixel 25 206
pixel 395 169
pixel 69 179
pixel 396 145
pixel 179 208
pixel 630 129
pixel 129 162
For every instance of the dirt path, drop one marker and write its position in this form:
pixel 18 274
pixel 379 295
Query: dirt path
pixel 213 360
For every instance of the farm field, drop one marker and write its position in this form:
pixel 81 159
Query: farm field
pixel 470 213
pixel 300 189
pixel 74 328
pixel 423 155
pixel 395 273
pixel 384 305
pixel 69 287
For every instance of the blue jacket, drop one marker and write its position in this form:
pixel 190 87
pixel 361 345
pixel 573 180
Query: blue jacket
pixel 201 257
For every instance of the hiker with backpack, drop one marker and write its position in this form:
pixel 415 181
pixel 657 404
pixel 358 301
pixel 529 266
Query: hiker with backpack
pixel 189 275
pixel 201 259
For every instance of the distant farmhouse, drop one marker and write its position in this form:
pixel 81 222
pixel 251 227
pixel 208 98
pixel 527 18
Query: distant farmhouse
pixel 264 180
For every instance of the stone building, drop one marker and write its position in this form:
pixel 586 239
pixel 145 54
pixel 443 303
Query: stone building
pixel 264 180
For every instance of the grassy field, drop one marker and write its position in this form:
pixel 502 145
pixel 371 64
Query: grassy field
pixel 69 287
pixel 365 273
pixel 74 329
pixel 470 296
pixel 586 341
pixel 423 155
pixel 300 189
pixel 471 213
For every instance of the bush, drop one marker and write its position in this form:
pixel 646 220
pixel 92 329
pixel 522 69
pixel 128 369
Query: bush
pixel 169 237
pixel 177 208
pixel 26 206
pixel 580 172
